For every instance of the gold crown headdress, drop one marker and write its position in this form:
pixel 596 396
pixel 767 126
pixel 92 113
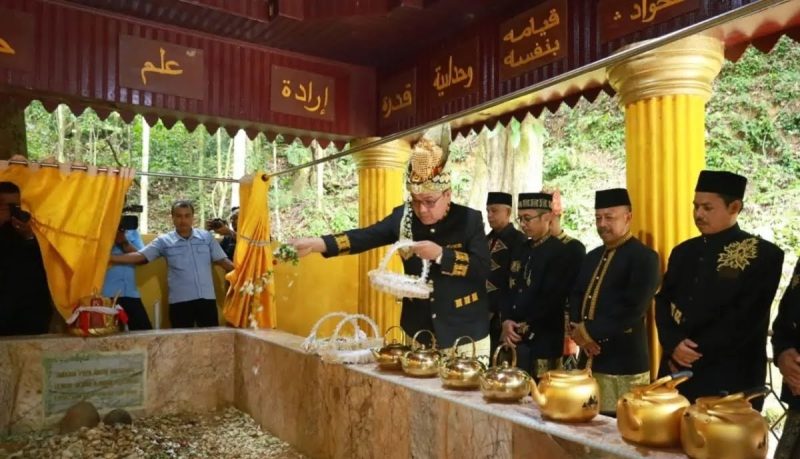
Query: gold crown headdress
pixel 426 169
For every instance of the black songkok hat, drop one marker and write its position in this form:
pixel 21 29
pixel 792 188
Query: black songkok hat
pixel 611 198
pixel 721 182
pixel 541 201
pixel 497 197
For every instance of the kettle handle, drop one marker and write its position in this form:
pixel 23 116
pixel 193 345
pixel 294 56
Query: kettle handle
pixel 433 339
pixel 497 353
pixel 670 381
pixel 455 345
pixel 403 334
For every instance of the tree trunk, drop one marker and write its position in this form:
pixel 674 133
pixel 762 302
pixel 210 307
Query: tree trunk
pixel 144 182
pixel 275 200
pixel 61 123
pixel 200 183
pixel 239 156
pixel 318 152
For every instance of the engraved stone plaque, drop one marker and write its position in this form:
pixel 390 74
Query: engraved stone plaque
pixel 106 379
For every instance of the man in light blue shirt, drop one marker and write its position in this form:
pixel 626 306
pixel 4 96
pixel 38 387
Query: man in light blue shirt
pixel 189 253
pixel 121 280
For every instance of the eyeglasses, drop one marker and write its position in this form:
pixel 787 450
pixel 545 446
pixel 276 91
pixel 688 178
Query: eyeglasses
pixel 428 203
pixel 525 219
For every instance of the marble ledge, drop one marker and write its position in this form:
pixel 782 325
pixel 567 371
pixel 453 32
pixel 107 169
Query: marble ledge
pixel 600 435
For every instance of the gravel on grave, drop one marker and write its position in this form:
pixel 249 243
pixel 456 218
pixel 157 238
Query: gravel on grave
pixel 223 434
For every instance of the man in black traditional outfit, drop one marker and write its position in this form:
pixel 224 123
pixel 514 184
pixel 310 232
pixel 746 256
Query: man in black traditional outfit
pixel 785 346
pixel 503 240
pixel 713 309
pixel 449 235
pixel 612 293
pixel 533 318
pixel 575 253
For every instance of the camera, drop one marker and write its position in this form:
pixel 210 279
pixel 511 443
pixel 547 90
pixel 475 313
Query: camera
pixel 128 220
pixel 19 214
pixel 215 223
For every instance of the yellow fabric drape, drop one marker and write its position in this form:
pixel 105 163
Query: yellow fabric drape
pixel 74 218
pixel 250 298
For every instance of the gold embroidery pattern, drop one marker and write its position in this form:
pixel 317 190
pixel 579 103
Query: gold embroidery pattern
pixel 593 292
pixel 490 287
pixel 564 237
pixel 342 242
pixel 469 299
pixel 676 313
pixel 534 204
pixel 460 264
pixel 499 246
pixel 515 266
pixel 459 270
pixel 737 255
pixel 494 265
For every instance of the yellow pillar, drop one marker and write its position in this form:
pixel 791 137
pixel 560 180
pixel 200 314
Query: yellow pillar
pixel 380 189
pixel 664 92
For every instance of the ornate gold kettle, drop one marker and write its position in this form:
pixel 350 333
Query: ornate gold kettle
pixel 725 427
pixel 567 395
pixel 461 372
pixel 388 357
pixel 505 383
pixel 421 361
pixel 651 415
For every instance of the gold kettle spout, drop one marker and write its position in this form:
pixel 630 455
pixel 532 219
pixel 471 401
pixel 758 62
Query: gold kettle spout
pixel 695 437
pixel 634 422
pixel 537 396
pixel 375 353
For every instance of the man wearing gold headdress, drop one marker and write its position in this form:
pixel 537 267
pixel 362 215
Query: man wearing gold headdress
pixel 448 234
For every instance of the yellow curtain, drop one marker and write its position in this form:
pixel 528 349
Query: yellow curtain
pixel 74 216
pixel 250 298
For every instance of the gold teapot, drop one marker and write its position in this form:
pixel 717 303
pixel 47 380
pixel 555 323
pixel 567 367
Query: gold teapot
pixel 461 372
pixel 421 361
pixel 505 383
pixel 651 414
pixel 388 357
pixel 725 427
pixel 567 395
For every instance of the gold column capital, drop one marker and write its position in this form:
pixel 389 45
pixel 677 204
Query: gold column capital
pixel 391 155
pixel 684 67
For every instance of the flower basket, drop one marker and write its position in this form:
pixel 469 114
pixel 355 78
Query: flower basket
pixel 397 284
pixel 336 349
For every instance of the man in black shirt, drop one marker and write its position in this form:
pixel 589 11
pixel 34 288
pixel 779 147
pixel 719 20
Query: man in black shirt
pixel 713 308
pixel 503 240
pixel 25 304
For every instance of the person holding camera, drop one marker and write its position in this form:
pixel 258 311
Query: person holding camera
pixel 228 233
pixel 121 279
pixel 25 303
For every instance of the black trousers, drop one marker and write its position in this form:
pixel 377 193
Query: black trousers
pixel 187 314
pixel 137 316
